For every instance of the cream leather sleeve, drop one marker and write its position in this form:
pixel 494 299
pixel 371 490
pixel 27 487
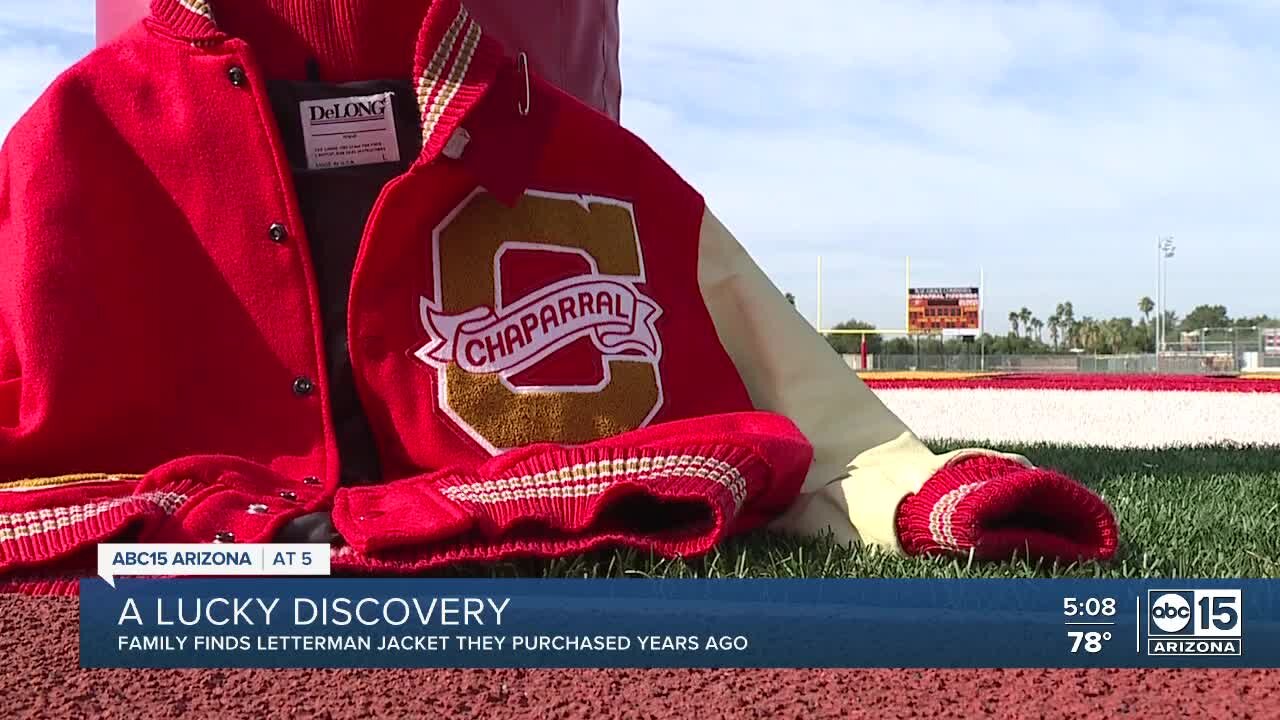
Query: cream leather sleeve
pixel 865 459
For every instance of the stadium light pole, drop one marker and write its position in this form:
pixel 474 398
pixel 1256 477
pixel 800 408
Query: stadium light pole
pixel 1160 308
pixel 982 318
pixel 907 309
pixel 1164 250
pixel 819 317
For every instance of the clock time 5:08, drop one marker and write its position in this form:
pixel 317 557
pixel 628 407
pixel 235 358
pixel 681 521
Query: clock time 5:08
pixel 1088 607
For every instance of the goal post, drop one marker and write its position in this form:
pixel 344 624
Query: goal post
pixel 931 315
pixel 859 345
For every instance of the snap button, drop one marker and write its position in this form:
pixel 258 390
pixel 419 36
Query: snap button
pixel 257 509
pixel 224 537
pixel 302 386
pixel 237 76
pixel 277 233
pixel 311 480
pixel 289 495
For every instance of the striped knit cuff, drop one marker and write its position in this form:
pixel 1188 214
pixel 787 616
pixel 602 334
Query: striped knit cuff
pixel 64 585
pixel 997 508
pixel 202 498
pixel 455 63
pixel 562 501
pixel 58 578
pixel 675 489
pixel 187 18
pixel 64 526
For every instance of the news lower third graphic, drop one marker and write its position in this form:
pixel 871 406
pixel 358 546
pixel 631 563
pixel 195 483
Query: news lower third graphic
pixel 248 612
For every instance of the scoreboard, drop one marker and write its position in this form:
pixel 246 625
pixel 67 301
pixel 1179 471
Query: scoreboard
pixel 1271 341
pixel 945 310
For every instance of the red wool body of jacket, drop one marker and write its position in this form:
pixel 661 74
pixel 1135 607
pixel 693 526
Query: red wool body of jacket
pixel 525 323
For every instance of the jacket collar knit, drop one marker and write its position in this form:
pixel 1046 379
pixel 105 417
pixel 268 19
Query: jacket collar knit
pixel 436 43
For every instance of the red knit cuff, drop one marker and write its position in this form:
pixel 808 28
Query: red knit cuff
pixel 192 499
pixel 42 528
pixel 57 577
pixel 42 585
pixel 997 508
pixel 191 20
pixel 454 65
pixel 675 489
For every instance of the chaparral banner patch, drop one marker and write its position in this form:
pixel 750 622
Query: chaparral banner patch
pixel 541 309
pixel 613 313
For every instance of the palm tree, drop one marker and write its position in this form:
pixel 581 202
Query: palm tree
pixel 1082 333
pixel 1089 334
pixel 1025 316
pixel 1113 335
pixel 1013 323
pixel 1054 322
pixel 1067 318
pixel 1145 306
pixel 1037 325
pixel 1171 320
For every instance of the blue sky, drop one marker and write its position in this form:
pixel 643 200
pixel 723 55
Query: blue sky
pixel 1048 142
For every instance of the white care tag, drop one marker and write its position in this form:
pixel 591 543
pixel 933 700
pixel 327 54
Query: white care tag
pixel 341 132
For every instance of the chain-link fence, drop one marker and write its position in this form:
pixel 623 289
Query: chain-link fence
pixel 1207 351
pixel 1243 348
pixel 1174 362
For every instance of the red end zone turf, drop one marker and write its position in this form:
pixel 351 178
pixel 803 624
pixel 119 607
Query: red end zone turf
pixel 1082 381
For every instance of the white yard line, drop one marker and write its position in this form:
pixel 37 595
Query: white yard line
pixel 1108 418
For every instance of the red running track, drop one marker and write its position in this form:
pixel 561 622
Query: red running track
pixel 1085 381
pixel 39 677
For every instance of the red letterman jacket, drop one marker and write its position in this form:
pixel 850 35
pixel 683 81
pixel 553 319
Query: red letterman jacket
pixel 525 323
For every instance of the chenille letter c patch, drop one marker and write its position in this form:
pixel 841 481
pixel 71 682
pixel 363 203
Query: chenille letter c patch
pixel 493 354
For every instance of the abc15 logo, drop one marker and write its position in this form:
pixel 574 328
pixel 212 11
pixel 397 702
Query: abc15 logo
pixel 1193 613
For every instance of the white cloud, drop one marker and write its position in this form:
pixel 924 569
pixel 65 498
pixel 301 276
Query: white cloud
pixel 1050 142
pixel 25 71
pixel 68 16
pixel 38 40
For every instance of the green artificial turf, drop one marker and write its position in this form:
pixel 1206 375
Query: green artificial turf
pixel 1190 512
